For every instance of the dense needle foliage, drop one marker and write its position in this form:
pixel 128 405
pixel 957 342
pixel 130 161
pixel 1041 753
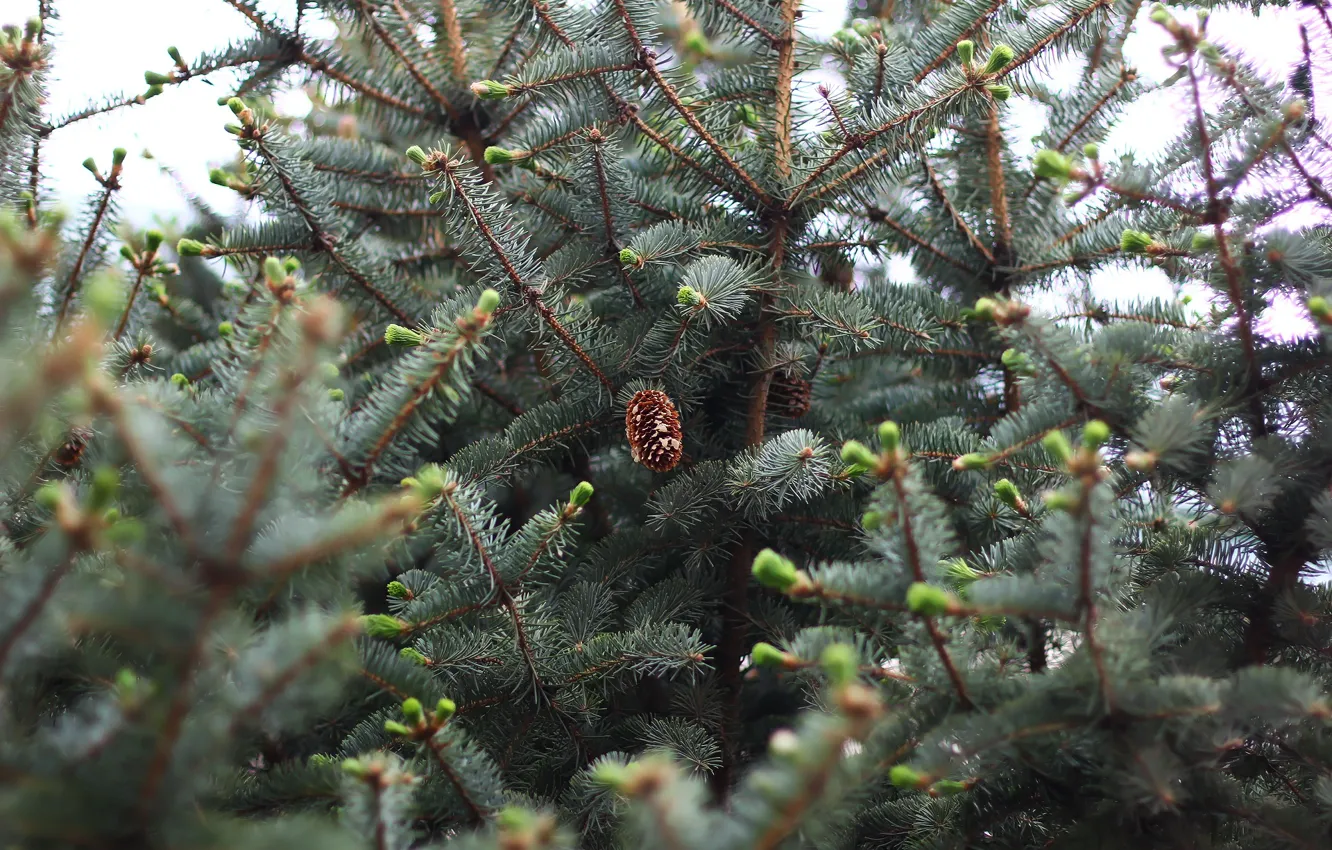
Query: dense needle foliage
pixel 549 458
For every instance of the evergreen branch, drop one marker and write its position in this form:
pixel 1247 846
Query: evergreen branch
pixel 1036 49
pixel 859 140
pixel 918 575
pixel 1234 284
pixel 454 46
pixel 1087 601
pixel 740 15
pixel 501 591
pixel 881 217
pixel 325 241
pixel 257 493
pixel 109 186
pixel 178 707
pixel 129 303
pixel 786 53
pixel 529 294
pixel 649 62
pixel 933 178
pixel 612 246
pixel 349 628
pixel 816 778
pixel 437 750
pixel 943 56
pixel 37 604
pixel 386 38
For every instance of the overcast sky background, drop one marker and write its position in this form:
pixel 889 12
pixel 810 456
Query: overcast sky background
pixel 103 48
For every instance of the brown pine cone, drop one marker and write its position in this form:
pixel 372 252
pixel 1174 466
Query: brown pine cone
pixel 652 426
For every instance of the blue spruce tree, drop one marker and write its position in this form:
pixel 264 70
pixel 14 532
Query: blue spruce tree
pixel 553 455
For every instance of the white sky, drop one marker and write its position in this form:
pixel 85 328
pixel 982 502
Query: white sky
pixel 104 46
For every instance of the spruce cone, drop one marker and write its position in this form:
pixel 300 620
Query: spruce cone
pixel 652 427
pixel 789 396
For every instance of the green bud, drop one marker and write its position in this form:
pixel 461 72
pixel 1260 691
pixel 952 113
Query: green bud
pixel 890 436
pixel 291 265
pixel 180 380
pixel 999 91
pixel 858 453
pixel 960 572
pixel 320 760
pixel 111 516
pixel 118 156
pixel 630 257
pixel 104 297
pixel 90 164
pixel 190 248
pixel 904 777
pixel 413 655
pixel 152 240
pixel 1016 361
pixel 871 520
pixel 1320 309
pixel 947 788
pixel 767 655
pixel 490 90
pixel 1095 433
pixel 105 485
pixel 445 708
pixel 234 129
pixel 1057 446
pixel 32 28
pixel 152 92
pixel 153 78
pixel 966 51
pixel 1000 56
pixel 1135 241
pixel 128 253
pixel 436 197
pixel 697 42
pixel 928 600
pixel 431 479
pixel 489 300
pixel 411 709
pixel 274 271
pixel 513 819
pixel 1008 493
pixel 971 462
pixel 236 105
pixel 398 335
pixel 1061 500
pixel 393 727
pixel 610 774
pixel 504 156
pixel 225 329
pixel 1092 151
pixel 986 309
pixel 48 496
pixel 840 663
pixel 774 571
pixel 398 590
pixel 687 296
pixel 174 54
pixel 1159 14
pixel 353 767
pixel 1203 241
pixel 1052 165
pixel 416 154
pixel 748 115
pixel 581 494
pixel 382 625
pixel 218 177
